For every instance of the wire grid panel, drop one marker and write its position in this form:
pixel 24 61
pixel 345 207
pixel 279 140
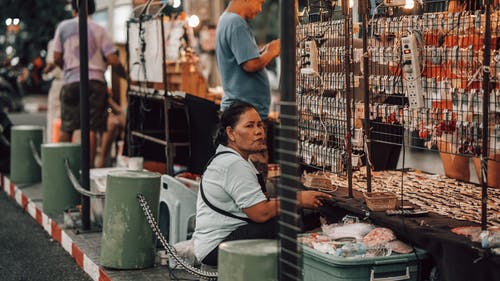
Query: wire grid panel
pixel 447 69
pixel 145 50
pixel 321 94
pixel 435 6
pixel 494 96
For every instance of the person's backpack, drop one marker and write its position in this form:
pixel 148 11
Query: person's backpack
pixel 5 125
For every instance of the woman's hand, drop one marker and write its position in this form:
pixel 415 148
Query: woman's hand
pixel 312 199
pixel 266 210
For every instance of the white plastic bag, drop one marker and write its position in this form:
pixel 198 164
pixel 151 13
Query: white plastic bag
pixel 185 250
pixel 356 230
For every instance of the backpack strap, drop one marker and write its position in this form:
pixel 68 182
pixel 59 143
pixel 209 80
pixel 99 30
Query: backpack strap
pixel 218 210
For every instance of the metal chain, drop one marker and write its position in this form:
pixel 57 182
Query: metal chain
pixel 207 275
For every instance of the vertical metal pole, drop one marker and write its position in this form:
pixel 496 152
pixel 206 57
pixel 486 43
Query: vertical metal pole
pixel 348 93
pixel 128 127
pixel 169 148
pixel 365 10
pixel 84 109
pixel 486 101
pixel 290 266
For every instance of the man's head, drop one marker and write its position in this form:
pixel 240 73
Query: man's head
pixel 249 8
pixel 90 6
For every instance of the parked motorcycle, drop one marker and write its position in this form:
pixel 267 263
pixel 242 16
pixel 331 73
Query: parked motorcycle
pixel 11 92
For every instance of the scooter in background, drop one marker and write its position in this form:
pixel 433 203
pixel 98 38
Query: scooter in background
pixel 11 92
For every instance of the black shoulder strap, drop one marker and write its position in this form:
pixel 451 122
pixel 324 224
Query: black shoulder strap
pixel 218 210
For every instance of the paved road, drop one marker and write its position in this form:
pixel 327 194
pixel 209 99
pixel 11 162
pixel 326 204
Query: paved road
pixel 28 253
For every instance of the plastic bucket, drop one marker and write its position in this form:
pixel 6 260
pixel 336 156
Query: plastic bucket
pixel 127 239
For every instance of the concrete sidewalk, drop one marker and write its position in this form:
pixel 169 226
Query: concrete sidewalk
pixel 83 247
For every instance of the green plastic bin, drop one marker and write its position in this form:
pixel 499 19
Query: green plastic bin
pixel 127 239
pixel 248 260
pixel 23 166
pixel 58 191
pixel 324 267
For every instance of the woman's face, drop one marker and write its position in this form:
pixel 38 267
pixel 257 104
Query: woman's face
pixel 248 135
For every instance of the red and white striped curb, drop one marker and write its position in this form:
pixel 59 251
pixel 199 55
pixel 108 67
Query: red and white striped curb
pixel 16 194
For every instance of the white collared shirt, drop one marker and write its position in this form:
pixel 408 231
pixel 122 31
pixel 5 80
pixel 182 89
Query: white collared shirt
pixel 229 183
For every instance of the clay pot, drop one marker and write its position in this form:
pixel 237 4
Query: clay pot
pixel 493 170
pixel 454 6
pixel 455 166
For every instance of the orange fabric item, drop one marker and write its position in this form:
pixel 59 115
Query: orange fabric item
pixel 56 127
pixel 154 166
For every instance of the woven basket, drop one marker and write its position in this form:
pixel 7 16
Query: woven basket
pixel 380 201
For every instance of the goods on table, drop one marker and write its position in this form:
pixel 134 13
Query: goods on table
pixel 317 180
pixel 381 201
pixel 400 247
pixel 379 235
pixel 474 233
pixel 356 230
pixel 438 194
pixel 355 240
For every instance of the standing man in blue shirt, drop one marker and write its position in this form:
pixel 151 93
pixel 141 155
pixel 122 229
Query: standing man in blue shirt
pixel 242 64
pixel 239 59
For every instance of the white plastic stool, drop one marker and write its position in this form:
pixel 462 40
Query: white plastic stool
pixel 181 203
pixel 98 179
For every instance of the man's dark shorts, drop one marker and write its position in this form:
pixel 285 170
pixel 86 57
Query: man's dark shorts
pixel 70 106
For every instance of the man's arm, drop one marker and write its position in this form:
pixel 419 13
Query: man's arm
pixel 118 68
pixel 271 50
pixel 58 59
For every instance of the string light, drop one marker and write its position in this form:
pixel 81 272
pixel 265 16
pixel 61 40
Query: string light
pixel 193 21
pixel 409 4
pixel 9 50
pixel 176 4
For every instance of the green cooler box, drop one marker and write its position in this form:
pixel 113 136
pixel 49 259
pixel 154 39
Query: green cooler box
pixel 324 267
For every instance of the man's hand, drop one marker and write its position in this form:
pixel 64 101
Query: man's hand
pixel 273 47
pixel 49 67
pixel 267 54
pixel 58 59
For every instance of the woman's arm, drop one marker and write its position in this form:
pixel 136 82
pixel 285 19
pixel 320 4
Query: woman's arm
pixel 267 210
pixel 263 211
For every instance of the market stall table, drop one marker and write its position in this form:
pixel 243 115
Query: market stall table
pixel 456 257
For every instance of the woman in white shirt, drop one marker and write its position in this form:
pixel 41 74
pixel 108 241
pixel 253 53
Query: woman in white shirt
pixel 231 203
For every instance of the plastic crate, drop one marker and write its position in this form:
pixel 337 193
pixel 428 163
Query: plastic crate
pixel 324 267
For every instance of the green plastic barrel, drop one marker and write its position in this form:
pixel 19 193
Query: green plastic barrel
pixel 58 192
pixel 127 239
pixel 23 166
pixel 248 260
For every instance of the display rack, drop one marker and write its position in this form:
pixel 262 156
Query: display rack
pixel 146 90
pixel 397 120
pixel 450 58
pixel 169 110
pixel 433 85
pixel 324 87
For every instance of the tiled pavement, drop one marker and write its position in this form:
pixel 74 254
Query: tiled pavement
pixel 83 247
